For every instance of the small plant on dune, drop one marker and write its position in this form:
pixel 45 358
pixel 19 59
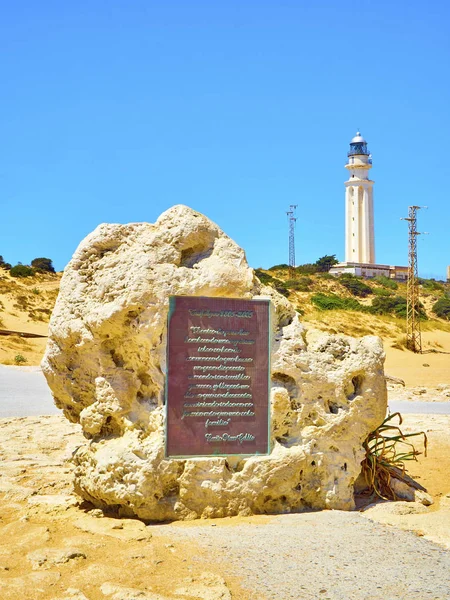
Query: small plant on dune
pixel 387 448
pixel 386 282
pixel 21 303
pixel 431 285
pixel 382 292
pixel 442 308
pixel 400 343
pixel 355 285
pixel 306 269
pixel 334 302
pixel 267 279
pixel 21 271
pixel 20 359
pixel 282 267
pixel 299 285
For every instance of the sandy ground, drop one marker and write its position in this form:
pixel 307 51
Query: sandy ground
pixel 433 473
pixel 428 369
pixel 53 547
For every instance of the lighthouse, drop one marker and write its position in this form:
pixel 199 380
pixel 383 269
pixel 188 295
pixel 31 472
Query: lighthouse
pixel 359 223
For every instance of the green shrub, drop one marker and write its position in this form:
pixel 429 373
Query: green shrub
pixel 299 285
pixel 382 292
pixel 387 305
pixel 278 267
pixel 442 308
pixel 432 285
pixel 21 271
pixel 386 282
pixel 354 285
pixel 43 265
pixel 281 289
pixel 307 269
pixel 264 278
pixel 326 276
pixel 3 264
pixel 393 305
pixel 19 359
pixel 334 302
pixel 267 279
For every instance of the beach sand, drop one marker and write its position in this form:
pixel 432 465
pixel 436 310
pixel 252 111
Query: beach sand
pixel 428 369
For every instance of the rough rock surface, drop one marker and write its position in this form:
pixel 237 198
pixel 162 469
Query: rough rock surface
pixel 105 364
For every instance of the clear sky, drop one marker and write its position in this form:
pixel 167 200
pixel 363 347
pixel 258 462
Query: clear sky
pixel 113 111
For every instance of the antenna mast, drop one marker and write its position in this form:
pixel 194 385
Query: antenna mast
pixel 413 334
pixel 292 219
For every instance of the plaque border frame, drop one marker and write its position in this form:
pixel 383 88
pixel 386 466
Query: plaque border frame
pixel 269 371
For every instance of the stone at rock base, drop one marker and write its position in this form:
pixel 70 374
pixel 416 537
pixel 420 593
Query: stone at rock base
pixel 113 591
pixel 423 497
pixel 403 491
pixel 123 530
pixel 73 594
pixel 106 359
pixel 50 557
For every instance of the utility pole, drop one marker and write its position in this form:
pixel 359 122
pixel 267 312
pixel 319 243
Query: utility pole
pixel 292 219
pixel 413 334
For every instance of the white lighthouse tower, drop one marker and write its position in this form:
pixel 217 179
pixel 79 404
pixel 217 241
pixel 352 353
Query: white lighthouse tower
pixel 359 223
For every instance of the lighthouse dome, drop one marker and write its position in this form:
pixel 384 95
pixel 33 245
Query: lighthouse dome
pixel 358 145
pixel 358 139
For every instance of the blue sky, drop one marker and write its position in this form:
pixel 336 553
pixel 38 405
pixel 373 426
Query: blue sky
pixel 114 111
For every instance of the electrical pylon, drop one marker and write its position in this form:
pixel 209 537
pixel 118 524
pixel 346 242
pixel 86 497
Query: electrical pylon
pixel 413 334
pixel 292 219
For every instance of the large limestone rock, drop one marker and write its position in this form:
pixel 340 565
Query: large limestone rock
pixel 105 363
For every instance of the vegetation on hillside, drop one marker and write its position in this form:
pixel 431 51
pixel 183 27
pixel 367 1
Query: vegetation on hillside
pixel 21 271
pixel 3 264
pixel 26 304
pixel 355 285
pixel 38 265
pixel 442 308
pixel 43 265
pixel 312 290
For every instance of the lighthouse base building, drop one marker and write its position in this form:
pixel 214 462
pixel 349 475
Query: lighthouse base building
pixel 359 218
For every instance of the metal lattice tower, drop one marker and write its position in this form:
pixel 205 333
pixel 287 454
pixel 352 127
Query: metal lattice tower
pixel 292 219
pixel 413 334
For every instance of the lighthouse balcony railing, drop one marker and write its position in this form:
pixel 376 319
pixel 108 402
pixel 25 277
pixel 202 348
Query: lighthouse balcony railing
pixel 351 155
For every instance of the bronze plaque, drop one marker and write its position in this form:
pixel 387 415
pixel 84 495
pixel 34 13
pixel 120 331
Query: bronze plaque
pixel 217 386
